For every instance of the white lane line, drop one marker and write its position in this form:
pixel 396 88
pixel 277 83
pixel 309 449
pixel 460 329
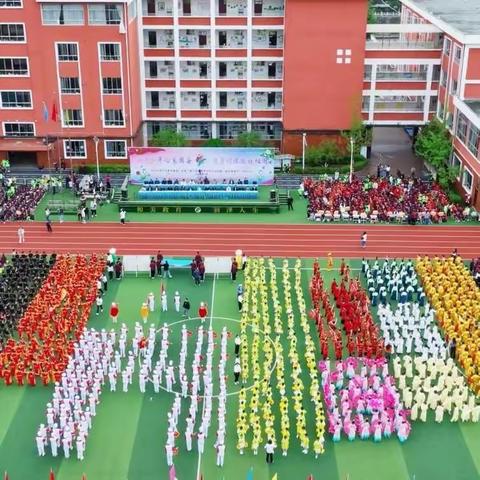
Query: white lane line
pixel 199 463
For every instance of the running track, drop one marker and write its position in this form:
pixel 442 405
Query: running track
pixel 183 239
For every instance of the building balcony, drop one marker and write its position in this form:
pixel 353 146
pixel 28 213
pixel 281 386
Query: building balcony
pixel 155 8
pixel 400 106
pixel 231 39
pixel 267 101
pixel 403 37
pixel 268 8
pixel 231 100
pixel 267 39
pixel 160 100
pixel 162 39
pixel 267 70
pixel 195 39
pixel 193 70
pixel 195 101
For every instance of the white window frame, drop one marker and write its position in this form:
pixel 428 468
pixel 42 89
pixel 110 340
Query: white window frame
pixel 466 170
pixel 110 157
pixel 15 41
pixel 446 42
pixel 454 164
pixel 105 125
pixel 16 108
pixel 13 74
pixel 18 123
pixel 74 140
pixel 14 6
pixel 65 125
pixel 457 48
pixel 57 44
pixel 105 21
pixel 62 24
pixel 105 92
pixel 69 92
pixel 119 59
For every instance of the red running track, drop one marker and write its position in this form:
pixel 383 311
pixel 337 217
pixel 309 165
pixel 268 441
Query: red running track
pixel 223 239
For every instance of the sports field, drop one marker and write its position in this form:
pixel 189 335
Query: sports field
pixel 129 431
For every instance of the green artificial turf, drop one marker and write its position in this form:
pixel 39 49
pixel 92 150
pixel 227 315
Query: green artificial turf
pixel 128 435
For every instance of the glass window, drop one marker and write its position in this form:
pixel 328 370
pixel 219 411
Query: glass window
pixel 110 51
pixel 72 117
pixel 115 149
pixel 104 14
pixel 10 3
pixel 74 148
pixel 112 85
pixel 473 135
pixel 62 14
pixel 462 127
pixel 70 84
pixel 447 45
pixel 458 54
pixel 12 32
pixel 13 66
pixel 467 180
pixel 67 52
pixel 456 163
pixel 16 129
pixel 113 118
pixel 16 99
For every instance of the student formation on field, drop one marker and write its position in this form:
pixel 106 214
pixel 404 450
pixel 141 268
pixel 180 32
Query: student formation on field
pixel 399 344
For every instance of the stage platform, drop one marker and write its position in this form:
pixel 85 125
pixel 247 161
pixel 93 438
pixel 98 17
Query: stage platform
pixel 205 206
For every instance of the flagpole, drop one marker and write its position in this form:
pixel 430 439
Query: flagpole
pixel 304 141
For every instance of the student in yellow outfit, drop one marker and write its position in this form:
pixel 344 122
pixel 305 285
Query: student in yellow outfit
pixel 144 312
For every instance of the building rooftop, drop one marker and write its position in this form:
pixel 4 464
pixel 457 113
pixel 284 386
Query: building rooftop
pixel 461 15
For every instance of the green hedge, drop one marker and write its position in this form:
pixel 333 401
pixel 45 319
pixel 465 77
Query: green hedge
pixel 113 168
pixel 358 164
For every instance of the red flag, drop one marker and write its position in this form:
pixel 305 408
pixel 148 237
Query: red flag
pixel 52 475
pixel 5 476
pixel 54 112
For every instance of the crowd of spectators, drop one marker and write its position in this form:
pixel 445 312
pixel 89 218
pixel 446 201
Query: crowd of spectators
pixel 400 198
pixel 18 202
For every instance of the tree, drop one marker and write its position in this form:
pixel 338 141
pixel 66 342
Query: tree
pixel 213 142
pixel 371 16
pixel 249 139
pixel 361 134
pixel 327 152
pixel 168 137
pixel 434 145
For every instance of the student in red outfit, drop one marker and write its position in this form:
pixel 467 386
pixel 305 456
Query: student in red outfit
pixel 202 311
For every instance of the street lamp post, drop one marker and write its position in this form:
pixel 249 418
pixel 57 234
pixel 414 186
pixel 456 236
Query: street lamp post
pixel 96 140
pixel 352 144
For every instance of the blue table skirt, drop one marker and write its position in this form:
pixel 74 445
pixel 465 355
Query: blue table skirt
pixel 197 195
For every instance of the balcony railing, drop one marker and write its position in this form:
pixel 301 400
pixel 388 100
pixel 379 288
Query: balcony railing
pixel 399 106
pixel 401 76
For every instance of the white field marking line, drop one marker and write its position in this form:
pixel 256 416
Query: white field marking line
pixel 199 463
